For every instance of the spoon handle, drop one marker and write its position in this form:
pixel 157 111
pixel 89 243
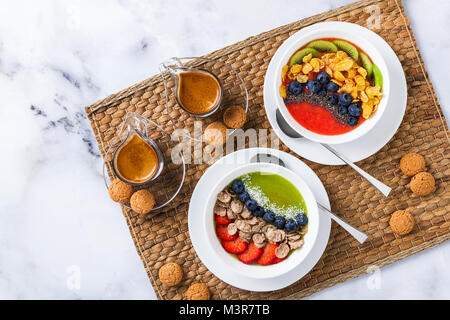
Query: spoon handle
pixel 358 235
pixel 384 189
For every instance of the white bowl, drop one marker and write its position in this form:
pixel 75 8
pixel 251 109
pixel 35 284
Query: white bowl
pixel 226 260
pixel 342 30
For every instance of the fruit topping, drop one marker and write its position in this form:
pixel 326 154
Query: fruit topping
pixel 332 86
pixel 279 222
pixel 301 219
pixel 366 63
pixel 299 55
pixel 251 254
pixel 352 121
pixel 291 225
pixel 237 186
pixel 222 233
pixel 333 99
pixel 347 48
pixel 322 93
pixel 313 86
pixel 323 77
pixel 222 220
pixel 355 109
pixel 236 246
pixel 244 196
pixel 342 110
pixel 259 211
pixel 377 76
pixel 323 45
pixel 295 87
pixel 345 99
pixel 251 204
pixel 268 256
pixel 269 216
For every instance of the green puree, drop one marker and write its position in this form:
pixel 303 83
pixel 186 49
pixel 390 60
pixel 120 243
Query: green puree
pixel 275 193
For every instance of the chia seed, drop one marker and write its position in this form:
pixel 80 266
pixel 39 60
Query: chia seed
pixel 317 100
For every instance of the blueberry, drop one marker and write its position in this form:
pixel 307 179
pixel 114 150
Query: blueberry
pixel 332 86
pixel 291 225
pixel 269 216
pixel 313 86
pixel 354 109
pixel 342 110
pixel 323 78
pixel 295 88
pixel 301 219
pixel 279 222
pixel 345 99
pixel 352 121
pixel 237 186
pixel 259 211
pixel 333 99
pixel 322 92
pixel 251 204
pixel 244 196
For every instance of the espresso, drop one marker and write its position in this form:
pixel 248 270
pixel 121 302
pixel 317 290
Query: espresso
pixel 198 91
pixel 136 161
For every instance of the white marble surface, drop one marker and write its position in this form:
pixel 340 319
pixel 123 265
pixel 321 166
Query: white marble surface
pixel 57 57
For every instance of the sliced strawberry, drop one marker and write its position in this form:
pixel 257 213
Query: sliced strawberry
pixel 222 232
pixel 236 246
pixel 276 260
pixel 268 256
pixel 222 220
pixel 251 254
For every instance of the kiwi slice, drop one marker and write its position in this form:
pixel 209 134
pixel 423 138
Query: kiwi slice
pixel 298 56
pixel 366 63
pixel 323 45
pixel 377 76
pixel 347 48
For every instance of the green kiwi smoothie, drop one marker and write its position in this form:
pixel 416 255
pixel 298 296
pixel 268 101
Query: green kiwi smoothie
pixel 273 192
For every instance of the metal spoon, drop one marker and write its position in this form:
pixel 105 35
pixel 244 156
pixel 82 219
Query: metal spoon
pixel 287 130
pixel 358 235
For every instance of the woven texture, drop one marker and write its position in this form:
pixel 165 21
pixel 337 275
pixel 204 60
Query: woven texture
pixel 164 237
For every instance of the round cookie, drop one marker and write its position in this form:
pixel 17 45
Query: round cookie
pixel 401 222
pixel 215 133
pixel 198 291
pixel 234 117
pixel 119 191
pixel 422 184
pixel 170 274
pixel 412 163
pixel 142 201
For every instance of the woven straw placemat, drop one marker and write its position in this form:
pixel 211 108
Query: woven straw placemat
pixel 164 237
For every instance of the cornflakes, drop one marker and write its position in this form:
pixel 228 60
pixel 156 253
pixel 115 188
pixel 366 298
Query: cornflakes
pixel 307 58
pixel 302 78
pixel 296 68
pixel 307 68
pixel 283 91
pixel 315 64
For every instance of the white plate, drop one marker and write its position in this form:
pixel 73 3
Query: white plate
pixel 366 145
pixel 199 238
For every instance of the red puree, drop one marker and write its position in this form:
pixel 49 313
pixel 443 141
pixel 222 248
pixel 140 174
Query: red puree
pixel 318 119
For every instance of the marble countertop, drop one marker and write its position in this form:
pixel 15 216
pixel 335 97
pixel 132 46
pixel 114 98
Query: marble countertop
pixel 60 235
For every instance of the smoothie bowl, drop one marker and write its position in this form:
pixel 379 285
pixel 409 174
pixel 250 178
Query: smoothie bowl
pixel 261 220
pixel 332 85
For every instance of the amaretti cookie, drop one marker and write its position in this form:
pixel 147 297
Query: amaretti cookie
pixel 142 201
pixel 170 274
pixel 412 163
pixel 119 191
pixel 422 184
pixel 401 222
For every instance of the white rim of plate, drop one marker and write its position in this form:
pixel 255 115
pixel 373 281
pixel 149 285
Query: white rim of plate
pixel 366 145
pixel 198 237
